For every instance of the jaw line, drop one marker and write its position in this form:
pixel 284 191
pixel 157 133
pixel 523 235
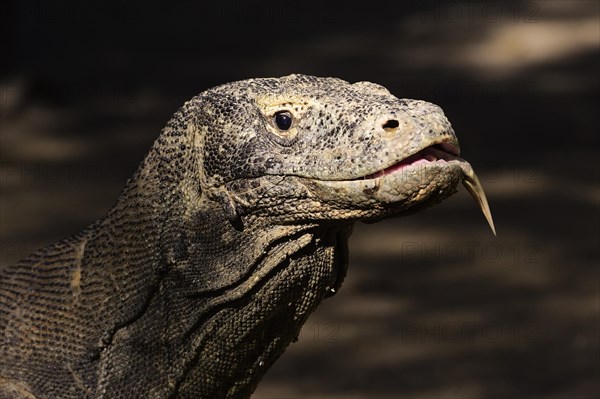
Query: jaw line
pixel 399 186
pixel 437 152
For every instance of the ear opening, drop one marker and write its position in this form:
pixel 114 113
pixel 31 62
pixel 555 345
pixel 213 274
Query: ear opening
pixel 230 210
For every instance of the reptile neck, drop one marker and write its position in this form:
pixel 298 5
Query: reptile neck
pixel 240 333
pixel 223 304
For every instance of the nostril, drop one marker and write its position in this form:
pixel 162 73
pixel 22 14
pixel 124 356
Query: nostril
pixel 390 125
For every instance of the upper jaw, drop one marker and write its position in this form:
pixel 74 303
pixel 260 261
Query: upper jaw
pixel 444 151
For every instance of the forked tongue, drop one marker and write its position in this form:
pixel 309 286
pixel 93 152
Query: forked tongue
pixel 471 183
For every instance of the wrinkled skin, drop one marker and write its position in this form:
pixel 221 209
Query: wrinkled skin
pixel 227 237
pixel 337 137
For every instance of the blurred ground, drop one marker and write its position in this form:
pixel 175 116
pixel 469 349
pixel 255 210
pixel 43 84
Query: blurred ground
pixel 433 306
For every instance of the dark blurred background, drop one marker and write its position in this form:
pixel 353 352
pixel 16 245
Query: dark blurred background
pixel 434 306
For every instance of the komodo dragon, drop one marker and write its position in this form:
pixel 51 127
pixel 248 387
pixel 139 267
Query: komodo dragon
pixel 230 233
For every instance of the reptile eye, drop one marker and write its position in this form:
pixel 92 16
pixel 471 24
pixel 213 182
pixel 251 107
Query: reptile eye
pixel 283 120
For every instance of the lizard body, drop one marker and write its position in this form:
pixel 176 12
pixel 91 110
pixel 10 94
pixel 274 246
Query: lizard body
pixel 230 233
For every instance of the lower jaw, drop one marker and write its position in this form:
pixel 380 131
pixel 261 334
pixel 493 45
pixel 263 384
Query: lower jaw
pixel 396 191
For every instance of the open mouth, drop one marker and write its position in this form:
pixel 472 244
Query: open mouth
pixel 433 153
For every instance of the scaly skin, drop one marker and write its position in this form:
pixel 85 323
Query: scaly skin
pixel 226 238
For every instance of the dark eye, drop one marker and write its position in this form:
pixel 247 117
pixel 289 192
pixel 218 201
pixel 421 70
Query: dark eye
pixel 283 120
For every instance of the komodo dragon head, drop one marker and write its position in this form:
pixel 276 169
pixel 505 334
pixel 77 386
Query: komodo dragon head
pixel 303 148
pixel 231 232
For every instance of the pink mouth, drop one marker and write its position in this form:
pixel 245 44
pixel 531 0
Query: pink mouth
pixel 436 152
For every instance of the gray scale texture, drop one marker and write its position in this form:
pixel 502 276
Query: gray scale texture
pixel 229 234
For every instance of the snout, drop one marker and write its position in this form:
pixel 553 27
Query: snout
pixel 409 125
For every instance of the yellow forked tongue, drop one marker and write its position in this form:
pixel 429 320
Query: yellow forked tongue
pixel 471 183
